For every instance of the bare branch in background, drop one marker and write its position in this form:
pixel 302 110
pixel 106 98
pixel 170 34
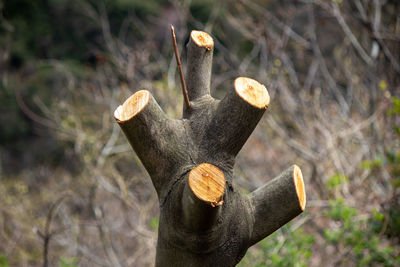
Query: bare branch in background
pixel 48 233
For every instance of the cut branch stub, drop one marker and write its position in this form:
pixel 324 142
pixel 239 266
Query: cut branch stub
pixel 202 39
pixel 207 182
pixel 252 92
pixel 299 185
pixel 199 55
pixel 203 196
pixel 286 199
pixel 236 117
pixel 154 137
pixel 132 106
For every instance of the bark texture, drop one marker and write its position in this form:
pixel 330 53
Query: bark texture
pixel 204 220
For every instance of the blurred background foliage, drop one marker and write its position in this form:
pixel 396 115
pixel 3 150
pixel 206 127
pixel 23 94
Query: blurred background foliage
pixel 68 176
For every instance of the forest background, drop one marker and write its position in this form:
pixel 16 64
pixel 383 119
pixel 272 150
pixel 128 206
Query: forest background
pixel 73 192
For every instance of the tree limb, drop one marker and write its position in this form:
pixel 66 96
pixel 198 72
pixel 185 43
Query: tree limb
pixel 154 137
pixel 276 203
pixel 199 54
pixel 202 196
pixel 236 117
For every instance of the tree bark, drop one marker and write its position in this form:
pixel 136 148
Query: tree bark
pixel 204 220
pixel 199 59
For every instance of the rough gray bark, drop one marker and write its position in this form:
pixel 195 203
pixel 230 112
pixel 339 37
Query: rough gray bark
pixel 199 64
pixel 193 232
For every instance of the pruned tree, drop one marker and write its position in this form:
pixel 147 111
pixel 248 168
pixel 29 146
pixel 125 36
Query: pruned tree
pixel 204 220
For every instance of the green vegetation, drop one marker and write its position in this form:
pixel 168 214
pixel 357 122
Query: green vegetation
pixel 359 236
pixel 286 247
pixel 3 261
pixel 69 262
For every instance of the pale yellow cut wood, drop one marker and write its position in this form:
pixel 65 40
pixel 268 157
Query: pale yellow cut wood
pixel 132 106
pixel 252 92
pixel 299 184
pixel 202 39
pixel 207 182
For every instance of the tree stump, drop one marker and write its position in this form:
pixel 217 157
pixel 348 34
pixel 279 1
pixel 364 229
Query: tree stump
pixel 204 220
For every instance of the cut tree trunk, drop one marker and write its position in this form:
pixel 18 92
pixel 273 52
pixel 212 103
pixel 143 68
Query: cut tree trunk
pixel 204 220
